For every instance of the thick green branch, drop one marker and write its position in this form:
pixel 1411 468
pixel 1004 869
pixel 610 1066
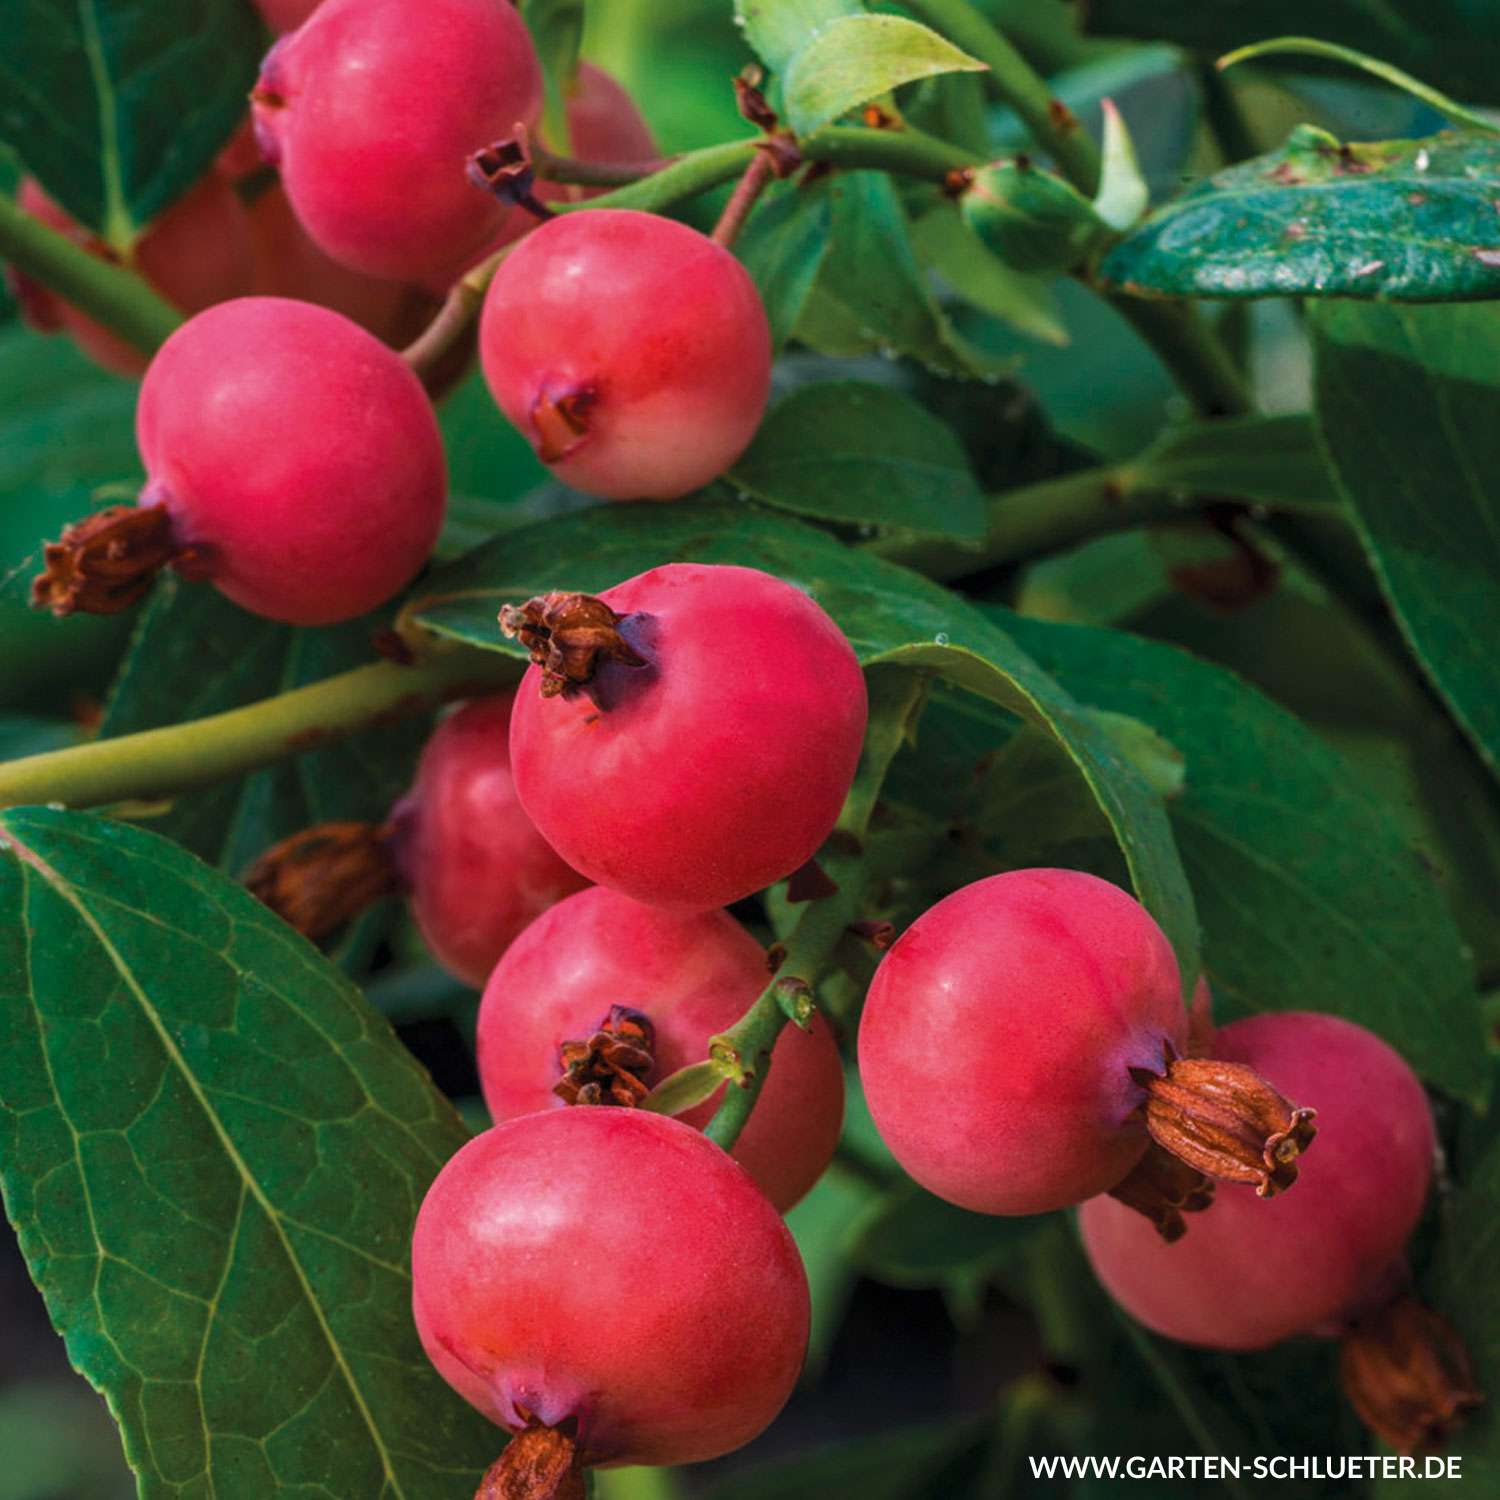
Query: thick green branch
pixel 907 152
pixel 1192 353
pixel 162 762
pixel 119 299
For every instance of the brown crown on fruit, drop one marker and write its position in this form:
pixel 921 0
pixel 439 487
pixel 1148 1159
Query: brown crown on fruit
pixel 1165 1188
pixel 321 878
pixel 613 1065
pixel 539 1463
pixel 568 636
pixel 105 564
pixel 1225 1120
pixel 1407 1375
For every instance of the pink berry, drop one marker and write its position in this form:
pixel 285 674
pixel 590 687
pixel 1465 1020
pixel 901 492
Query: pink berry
pixel 688 977
pixel 612 1268
pixel 999 1033
pixel 372 110
pixel 475 866
pixel 196 254
pixel 715 767
pixel 297 457
pixel 632 351
pixel 1249 1273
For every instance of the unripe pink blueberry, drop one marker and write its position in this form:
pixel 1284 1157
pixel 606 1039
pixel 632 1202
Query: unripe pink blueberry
pixel 612 1268
pixel 197 253
pixel 372 110
pixel 285 15
pixel 475 867
pixel 999 1033
pixel 1251 1272
pixel 715 768
pixel 296 456
pixel 691 976
pixel 632 351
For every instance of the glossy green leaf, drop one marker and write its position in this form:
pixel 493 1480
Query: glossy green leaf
pixel 779 29
pixel 948 246
pixel 783 247
pixel 912 1238
pixel 1030 218
pixel 1267 460
pixel 1406 403
pixel 854 59
pixel 213 1150
pixel 849 450
pixel 1454 44
pixel 820 1225
pixel 871 295
pixel 887 613
pixel 1408 221
pixel 1310 894
pixel 194 653
pixel 118 106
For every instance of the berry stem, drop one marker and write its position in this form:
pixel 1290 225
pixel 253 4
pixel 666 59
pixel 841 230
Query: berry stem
pixel 118 298
pixel 743 1053
pixel 757 177
pixel 163 762
pixel 568 169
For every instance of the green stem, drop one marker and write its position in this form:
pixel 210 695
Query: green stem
pixel 118 298
pixel 1192 353
pixel 161 762
pixel 686 177
pixel 907 151
pixel 896 697
pixel 1040 518
pixel 1052 124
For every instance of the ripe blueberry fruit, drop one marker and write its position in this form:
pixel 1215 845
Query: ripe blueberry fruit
pixel 372 110
pixel 632 351
pixel 1250 1273
pixel 1024 1038
pixel 197 253
pixel 613 1274
pixel 476 870
pixel 291 458
pixel 682 979
pixel 688 737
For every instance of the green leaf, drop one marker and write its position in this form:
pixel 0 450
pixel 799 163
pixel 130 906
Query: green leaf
pixel 1266 460
pixel 1030 218
pixel 854 59
pixel 888 614
pixel 948 246
pixel 912 1238
pixel 1408 221
pixel 783 247
pixel 66 428
pixel 119 106
pixel 28 734
pixel 213 1151
pixel 556 28
pixel 871 295
pixel 1307 46
pixel 1406 402
pixel 1311 897
pixel 778 29
pixel 194 654
pixel 1452 43
pixel 848 450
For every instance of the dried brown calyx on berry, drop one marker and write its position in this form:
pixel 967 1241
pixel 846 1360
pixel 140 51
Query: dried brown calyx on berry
pixel 1407 1375
pixel 613 1065
pixel 1164 1189
pixel 323 877
pixel 106 564
pixel 1224 1120
pixel 569 636
pixel 539 1463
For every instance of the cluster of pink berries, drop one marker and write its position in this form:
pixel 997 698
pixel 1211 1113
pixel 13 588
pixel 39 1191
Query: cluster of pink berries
pixel 632 351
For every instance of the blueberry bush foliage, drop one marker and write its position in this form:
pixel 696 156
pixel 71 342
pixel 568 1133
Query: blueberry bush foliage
pixel 1144 410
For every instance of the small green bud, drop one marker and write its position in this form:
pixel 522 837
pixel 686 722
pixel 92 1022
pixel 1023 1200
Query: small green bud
pixel 1030 218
